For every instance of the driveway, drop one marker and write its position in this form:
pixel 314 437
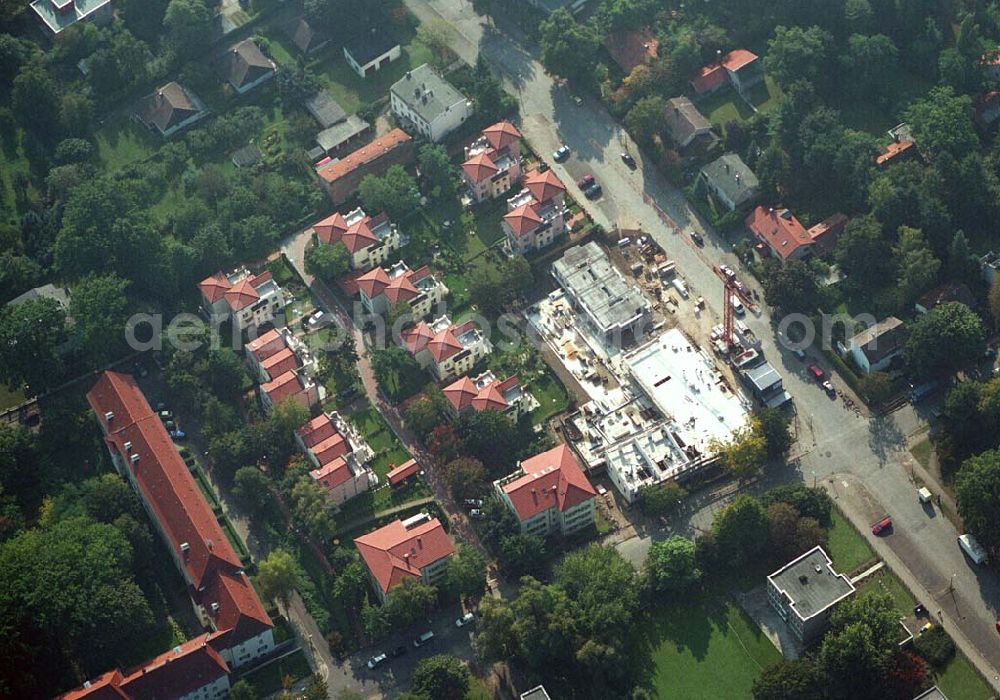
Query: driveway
pixel 834 439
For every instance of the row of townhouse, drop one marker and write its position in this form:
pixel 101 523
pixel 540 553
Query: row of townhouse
pixel 248 300
pixel 486 392
pixel 536 215
pixel 340 458
pixel 284 369
pixel 384 289
pixel 369 240
pixel 445 349
pixel 239 630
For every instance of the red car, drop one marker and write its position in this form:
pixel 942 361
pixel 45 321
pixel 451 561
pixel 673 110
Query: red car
pixel 882 525
pixel 585 182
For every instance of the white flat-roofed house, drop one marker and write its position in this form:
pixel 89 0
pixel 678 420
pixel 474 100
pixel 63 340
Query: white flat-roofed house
pixel 874 348
pixel 428 104
pixel 57 15
pixel 805 591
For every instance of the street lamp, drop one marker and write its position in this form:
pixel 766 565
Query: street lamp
pixel 951 585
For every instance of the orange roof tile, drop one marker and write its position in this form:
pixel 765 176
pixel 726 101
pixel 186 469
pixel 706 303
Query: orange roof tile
pixel 282 387
pixel 501 135
pixel 333 473
pixel 524 219
pixel 281 362
pixel 417 337
pixel 317 430
pixel 631 47
pixel 266 345
pixel 552 479
pixel 242 294
pixel 460 393
pixel 359 236
pixel 737 59
pixel 364 155
pixel 480 167
pixel 214 288
pixel 393 552
pixel 330 229
pixel 779 228
pixel 403 472
pixel 894 149
pixel 373 282
pixel 178 672
pixel 544 186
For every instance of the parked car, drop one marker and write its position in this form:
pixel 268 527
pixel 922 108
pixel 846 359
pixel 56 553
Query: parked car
pixel 628 160
pixel 584 182
pixel 464 620
pixel 166 415
pixel 399 651
pixel 696 237
pixel 972 548
pixel 561 154
pixel 317 319
pixel 426 638
pixel 542 166
pixel 594 191
pixel 170 425
pixel 820 376
pixel 801 354
pixel 476 514
pixel 473 503
pixel 924 494
pixel 729 272
pixel 377 660
pixel 883 525
pixel 178 435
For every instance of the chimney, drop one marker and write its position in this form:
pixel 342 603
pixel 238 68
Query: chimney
pixel 128 445
pixel 109 416
pixel 215 608
pixel 135 459
pixel 420 543
pixel 208 543
pixel 185 547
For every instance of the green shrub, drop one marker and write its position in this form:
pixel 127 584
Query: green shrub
pixel 936 646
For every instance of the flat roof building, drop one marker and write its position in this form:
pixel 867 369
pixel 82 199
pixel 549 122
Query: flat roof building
pixel 600 291
pixel 805 591
pixel 428 104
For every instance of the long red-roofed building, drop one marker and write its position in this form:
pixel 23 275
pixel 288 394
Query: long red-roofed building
pixel 369 240
pixel 143 453
pixel 549 493
pixel 341 177
pixel 740 68
pixel 415 548
pixel 191 670
pixel 781 232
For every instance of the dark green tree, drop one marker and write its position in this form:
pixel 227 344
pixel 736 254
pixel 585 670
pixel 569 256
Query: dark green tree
pixel 740 530
pixel 328 262
pixel 441 676
pixel 395 193
pixel 976 487
pixel 671 564
pixel 942 122
pixel 99 309
pixel 465 576
pixel 569 48
pixel 947 338
pixel 31 338
pixel 790 679
pixel 798 53
pixel 189 25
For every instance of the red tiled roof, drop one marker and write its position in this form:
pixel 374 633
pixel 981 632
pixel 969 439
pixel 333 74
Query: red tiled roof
pixel 708 78
pixel 544 186
pixel 242 294
pixel 463 393
pixel 737 59
pixel 282 387
pixel 104 687
pixel 501 135
pixel 524 219
pixel 444 344
pixel 214 288
pixel 826 232
pixel 241 614
pixel 359 236
pixel 317 430
pixel 177 672
pixel 403 472
pixel 480 167
pixel 401 289
pixel 266 345
pixel 417 337
pixel 364 155
pixel 460 393
pixel 631 47
pixel 333 473
pixel 373 282
pixel 490 397
pixel 330 229
pixel 552 479
pixel 893 150
pixel 779 228
pixel 331 448
pixel 393 553
pixel 281 362
pixel 167 485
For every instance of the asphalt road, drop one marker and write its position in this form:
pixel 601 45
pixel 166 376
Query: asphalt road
pixel 840 445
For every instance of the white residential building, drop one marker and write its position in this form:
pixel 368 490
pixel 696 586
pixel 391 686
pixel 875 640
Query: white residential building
pixel 447 350
pixel 371 51
pixel 370 241
pixel 249 300
pixel 428 104
pixel 382 289
pixel 338 455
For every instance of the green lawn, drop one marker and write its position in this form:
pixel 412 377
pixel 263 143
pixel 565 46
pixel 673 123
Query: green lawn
pixel 477 690
pixel 123 142
pixel 13 163
pixel 269 679
pixel 388 449
pixel 706 650
pixel 353 92
pixel 551 396
pixel 726 105
pixel 922 452
pixel 960 681
pixel 10 398
pixel 846 547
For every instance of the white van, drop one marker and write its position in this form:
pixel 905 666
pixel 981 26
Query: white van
pixel 681 288
pixel 737 305
pixel 972 548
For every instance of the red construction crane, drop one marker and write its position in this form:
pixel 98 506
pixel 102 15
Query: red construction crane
pixel 728 312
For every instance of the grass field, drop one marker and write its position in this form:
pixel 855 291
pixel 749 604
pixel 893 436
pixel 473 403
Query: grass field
pixel 122 142
pixel 960 681
pixel 726 105
pixel 9 398
pixel 845 546
pixel 13 163
pixel 922 452
pixel 270 678
pixel 706 650
pixel 551 396
pixel 381 439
